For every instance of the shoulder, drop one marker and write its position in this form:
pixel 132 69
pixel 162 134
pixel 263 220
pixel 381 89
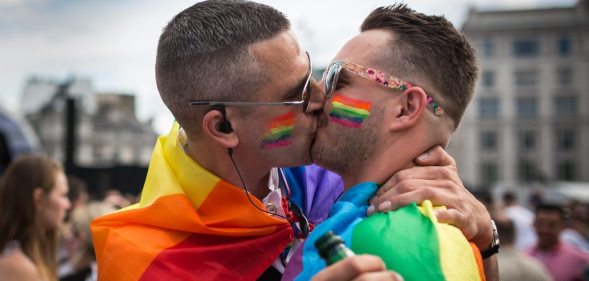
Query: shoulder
pixel 575 253
pixel 17 266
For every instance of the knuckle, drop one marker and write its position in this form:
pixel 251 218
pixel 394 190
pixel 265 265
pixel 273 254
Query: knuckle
pixel 445 173
pixel 406 186
pixel 402 175
pixel 355 265
pixel 427 193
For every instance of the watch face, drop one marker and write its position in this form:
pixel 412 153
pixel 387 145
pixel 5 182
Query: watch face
pixel 495 241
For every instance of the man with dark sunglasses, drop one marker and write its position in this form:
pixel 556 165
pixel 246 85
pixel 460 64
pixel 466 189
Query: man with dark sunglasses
pixel 213 206
pixel 374 114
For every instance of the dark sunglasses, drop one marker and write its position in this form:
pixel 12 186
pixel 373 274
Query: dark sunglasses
pixel 331 75
pixel 305 96
pixel 299 223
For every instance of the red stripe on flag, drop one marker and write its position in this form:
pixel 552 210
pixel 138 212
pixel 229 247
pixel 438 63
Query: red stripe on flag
pixel 209 257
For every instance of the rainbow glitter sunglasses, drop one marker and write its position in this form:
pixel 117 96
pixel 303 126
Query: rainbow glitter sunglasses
pixel 331 75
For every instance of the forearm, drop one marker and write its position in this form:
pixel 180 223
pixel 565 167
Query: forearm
pixel 491 268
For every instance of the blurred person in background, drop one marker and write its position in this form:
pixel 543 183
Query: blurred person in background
pixel 563 262
pixel 33 204
pixel 78 195
pixel 577 231
pixel 81 264
pixel 522 217
pixel 115 198
pixel 513 264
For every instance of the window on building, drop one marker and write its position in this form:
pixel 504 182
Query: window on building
pixel 488 107
pixel 565 139
pixel 565 106
pixel 489 140
pixel 489 172
pixel 527 140
pixel 527 107
pixel 526 78
pixel 488 48
pixel 564 76
pixel 526 48
pixel 526 170
pixel 566 171
pixel 563 46
pixel 488 79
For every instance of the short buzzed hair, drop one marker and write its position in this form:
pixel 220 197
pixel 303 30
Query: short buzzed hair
pixel 551 208
pixel 203 54
pixel 428 47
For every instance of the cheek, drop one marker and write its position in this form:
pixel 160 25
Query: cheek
pixel 349 112
pixel 279 131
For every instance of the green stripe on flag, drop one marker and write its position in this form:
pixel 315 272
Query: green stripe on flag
pixel 405 239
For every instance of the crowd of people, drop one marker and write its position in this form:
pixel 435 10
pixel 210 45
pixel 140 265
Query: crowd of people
pixel 228 196
pixel 540 239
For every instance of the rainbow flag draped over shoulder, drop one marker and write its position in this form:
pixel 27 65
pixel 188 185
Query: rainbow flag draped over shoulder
pixel 409 240
pixel 189 225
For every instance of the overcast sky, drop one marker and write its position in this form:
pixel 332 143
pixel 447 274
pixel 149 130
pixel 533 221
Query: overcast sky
pixel 113 42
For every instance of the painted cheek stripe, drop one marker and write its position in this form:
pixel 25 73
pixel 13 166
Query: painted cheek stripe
pixel 349 112
pixel 279 131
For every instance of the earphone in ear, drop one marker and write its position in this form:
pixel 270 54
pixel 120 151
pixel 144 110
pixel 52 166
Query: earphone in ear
pixel 225 126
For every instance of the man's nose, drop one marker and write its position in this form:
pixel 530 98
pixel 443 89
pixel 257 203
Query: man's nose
pixel 317 99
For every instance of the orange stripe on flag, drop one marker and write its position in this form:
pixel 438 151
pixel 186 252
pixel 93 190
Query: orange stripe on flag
pixel 352 102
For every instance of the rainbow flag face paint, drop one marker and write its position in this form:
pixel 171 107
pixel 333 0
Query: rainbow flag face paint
pixel 279 132
pixel 349 112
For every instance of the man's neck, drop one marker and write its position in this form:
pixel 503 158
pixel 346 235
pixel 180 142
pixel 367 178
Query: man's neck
pixel 386 162
pixel 377 169
pixel 391 157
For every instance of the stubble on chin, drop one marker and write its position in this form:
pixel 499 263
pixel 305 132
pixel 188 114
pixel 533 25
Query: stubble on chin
pixel 342 149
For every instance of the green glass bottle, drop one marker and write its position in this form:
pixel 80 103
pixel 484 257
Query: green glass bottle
pixel 332 248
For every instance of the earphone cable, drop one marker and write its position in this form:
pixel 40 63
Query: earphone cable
pixel 247 192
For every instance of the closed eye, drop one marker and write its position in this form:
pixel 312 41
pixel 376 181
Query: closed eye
pixel 342 80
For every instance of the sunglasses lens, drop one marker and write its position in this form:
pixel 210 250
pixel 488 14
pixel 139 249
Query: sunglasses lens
pixel 330 79
pixel 303 223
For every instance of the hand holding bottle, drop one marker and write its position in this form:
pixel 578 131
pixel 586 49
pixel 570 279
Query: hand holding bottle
pixel 343 264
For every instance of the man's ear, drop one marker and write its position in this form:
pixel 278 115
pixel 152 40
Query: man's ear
pixel 413 103
pixel 216 126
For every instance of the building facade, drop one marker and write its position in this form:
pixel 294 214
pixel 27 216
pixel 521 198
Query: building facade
pixel 529 118
pixel 107 131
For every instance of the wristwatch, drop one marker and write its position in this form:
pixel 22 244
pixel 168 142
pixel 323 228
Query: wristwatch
pixel 494 247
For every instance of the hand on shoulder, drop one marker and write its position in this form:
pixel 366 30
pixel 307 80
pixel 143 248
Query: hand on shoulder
pixel 435 178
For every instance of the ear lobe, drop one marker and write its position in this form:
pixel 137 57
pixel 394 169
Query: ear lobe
pixel 413 103
pixel 37 196
pixel 215 125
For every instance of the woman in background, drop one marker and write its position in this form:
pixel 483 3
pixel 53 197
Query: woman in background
pixel 33 202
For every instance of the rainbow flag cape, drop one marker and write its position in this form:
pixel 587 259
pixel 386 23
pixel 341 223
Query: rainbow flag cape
pixel 410 241
pixel 188 225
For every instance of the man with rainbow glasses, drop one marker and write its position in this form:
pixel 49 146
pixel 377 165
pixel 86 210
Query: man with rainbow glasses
pixel 213 206
pixel 375 124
